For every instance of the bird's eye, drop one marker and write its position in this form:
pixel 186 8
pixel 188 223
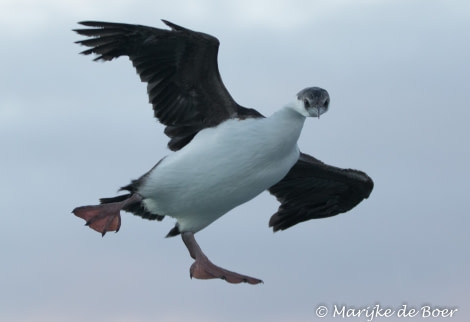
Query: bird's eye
pixel 306 103
pixel 327 103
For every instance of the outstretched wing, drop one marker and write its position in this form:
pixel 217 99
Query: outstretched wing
pixel 180 69
pixel 313 190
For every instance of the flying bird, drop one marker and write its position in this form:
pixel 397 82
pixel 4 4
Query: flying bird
pixel 224 154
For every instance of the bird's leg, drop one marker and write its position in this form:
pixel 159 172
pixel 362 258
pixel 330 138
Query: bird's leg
pixel 105 217
pixel 203 268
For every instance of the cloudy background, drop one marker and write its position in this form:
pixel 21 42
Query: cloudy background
pixel 72 131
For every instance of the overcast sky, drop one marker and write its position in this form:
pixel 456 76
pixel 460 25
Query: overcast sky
pixel 72 131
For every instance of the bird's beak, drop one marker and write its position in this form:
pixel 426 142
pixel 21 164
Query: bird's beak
pixel 318 111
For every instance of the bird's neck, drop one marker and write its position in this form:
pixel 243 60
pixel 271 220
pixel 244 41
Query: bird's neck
pixel 288 122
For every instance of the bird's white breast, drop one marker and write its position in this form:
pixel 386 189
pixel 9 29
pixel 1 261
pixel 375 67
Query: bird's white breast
pixel 221 168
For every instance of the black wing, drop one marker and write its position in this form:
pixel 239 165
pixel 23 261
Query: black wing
pixel 181 71
pixel 313 190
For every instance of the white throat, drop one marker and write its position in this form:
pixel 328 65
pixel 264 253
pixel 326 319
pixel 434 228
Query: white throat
pixel 298 106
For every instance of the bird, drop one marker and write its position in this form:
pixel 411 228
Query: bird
pixel 222 154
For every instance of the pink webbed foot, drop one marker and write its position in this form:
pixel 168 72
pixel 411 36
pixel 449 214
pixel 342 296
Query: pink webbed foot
pixel 203 268
pixel 105 217
pixel 102 218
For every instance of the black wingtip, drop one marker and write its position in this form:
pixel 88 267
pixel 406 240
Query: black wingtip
pixel 173 26
pixel 370 186
pixel 274 222
pixel 92 23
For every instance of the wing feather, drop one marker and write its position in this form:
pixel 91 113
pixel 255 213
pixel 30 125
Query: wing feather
pixel 180 69
pixel 313 189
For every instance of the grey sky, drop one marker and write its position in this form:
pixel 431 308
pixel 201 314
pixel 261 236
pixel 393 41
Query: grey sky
pixel 72 131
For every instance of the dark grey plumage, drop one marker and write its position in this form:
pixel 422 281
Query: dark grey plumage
pixel 313 189
pixel 180 69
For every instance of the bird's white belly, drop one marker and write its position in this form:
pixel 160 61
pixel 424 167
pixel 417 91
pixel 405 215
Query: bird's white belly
pixel 220 169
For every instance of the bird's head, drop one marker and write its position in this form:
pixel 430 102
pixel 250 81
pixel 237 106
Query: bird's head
pixel 312 101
